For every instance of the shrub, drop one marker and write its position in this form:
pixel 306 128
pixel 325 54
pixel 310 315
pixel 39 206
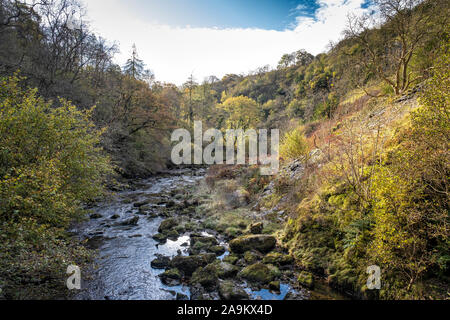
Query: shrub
pixel 295 145
pixel 49 165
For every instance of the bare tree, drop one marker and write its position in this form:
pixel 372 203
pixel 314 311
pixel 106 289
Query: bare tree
pixel 389 38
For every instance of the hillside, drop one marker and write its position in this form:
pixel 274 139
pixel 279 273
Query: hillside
pixel 364 152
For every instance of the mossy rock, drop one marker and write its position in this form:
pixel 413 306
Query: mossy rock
pixel 188 265
pixel 306 279
pixel 257 273
pixel 171 277
pixel 142 203
pixel 207 277
pixel 226 270
pixel 160 237
pixel 228 290
pixel 275 286
pixel 217 250
pixel 274 270
pixel 251 257
pixel 173 234
pixel 233 232
pixel 160 262
pixel 208 257
pixel 261 243
pixel 204 240
pixel 167 225
pixel 256 228
pixel 279 259
pixel 231 259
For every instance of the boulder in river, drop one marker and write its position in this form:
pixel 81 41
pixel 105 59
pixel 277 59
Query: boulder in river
pixel 188 265
pixel 226 270
pixel 229 290
pixel 206 276
pixel 275 286
pixel 257 273
pixel 171 277
pixel 96 216
pixel 131 222
pixel 262 243
pixel 142 203
pixel 161 262
pixel 167 225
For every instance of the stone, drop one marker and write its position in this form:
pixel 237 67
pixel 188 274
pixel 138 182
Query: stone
pixel 226 270
pixel 262 243
pixel 279 259
pixel 160 262
pixel 228 290
pixel 306 279
pixel 257 273
pixel 171 277
pixel 275 286
pixel 256 228
pixel 206 276
pixel 167 225
pixel 131 222
pixel 188 265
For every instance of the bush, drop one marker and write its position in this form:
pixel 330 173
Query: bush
pixel 49 165
pixel 295 145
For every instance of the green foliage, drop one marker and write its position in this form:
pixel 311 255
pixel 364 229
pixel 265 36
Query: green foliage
pixel 50 164
pixel 295 145
pixel 243 112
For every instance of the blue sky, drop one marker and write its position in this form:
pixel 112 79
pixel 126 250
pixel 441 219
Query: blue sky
pixel 264 14
pixel 216 37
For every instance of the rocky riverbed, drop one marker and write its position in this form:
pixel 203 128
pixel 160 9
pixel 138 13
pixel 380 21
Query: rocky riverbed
pixel 154 243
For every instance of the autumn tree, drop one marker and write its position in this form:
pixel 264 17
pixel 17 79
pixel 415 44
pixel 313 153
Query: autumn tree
pixel 243 113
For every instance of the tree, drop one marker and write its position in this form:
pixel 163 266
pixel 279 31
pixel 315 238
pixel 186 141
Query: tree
pixel 134 67
pixel 401 26
pixel 243 112
pixel 303 58
pixel 189 86
pixel 286 61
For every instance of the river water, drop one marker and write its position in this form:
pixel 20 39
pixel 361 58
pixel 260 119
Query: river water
pixel 123 270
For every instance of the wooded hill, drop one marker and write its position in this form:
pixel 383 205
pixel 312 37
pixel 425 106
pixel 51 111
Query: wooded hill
pixel 374 107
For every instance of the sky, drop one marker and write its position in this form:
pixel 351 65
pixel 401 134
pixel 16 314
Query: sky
pixel 177 38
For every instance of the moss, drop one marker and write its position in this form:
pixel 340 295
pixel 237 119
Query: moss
pixel 217 250
pixel 232 259
pixel 206 276
pixel 275 286
pixel 251 257
pixel 228 290
pixel 276 258
pixel 257 273
pixel 167 225
pixel 262 243
pixel 306 279
pixel 226 270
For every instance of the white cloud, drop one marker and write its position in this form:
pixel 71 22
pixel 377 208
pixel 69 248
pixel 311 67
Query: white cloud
pixel 174 52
